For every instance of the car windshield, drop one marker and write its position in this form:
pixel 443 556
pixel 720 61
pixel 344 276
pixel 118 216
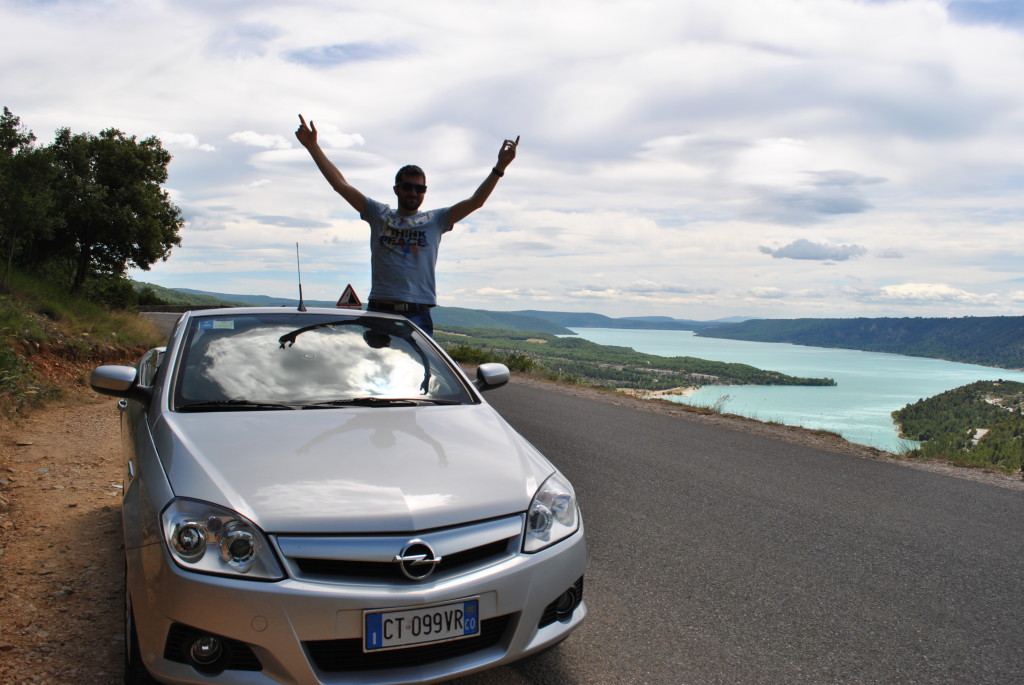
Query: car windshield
pixel 306 361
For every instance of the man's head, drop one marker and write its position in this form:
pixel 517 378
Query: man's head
pixel 410 187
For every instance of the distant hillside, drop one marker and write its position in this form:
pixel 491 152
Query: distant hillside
pixel 475 318
pixel 183 297
pixel 443 316
pixel 590 320
pixel 255 300
pixel 558 323
pixel 989 341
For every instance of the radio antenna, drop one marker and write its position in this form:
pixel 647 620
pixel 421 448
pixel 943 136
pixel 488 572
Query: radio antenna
pixel 298 268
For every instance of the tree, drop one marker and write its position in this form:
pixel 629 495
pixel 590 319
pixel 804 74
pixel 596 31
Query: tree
pixel 115 213
pixel 26 196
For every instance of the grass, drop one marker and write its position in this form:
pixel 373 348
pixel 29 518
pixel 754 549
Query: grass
pixel 39 321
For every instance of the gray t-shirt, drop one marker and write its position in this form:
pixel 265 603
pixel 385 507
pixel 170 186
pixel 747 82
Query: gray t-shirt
pixel 403 252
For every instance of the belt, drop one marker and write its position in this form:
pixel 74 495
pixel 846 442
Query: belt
pixel 399 307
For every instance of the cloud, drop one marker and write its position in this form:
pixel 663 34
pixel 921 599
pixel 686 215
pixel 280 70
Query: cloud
pixel 289 222
pixel 652 287
pixel 242 40
pixel 199 220
pixel 805 249
pixel 768 292
pixel 528 246
pixel 936 292
pixel 815 196
pixel 838 178
pixel 265 140
pixel 658 140
pixel 331 137
pixel 188 141
pixel 803 207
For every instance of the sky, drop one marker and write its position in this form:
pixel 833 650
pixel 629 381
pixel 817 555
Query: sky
pixel 699 159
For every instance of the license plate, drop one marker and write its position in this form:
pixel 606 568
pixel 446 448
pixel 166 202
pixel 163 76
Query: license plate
pixel 398 628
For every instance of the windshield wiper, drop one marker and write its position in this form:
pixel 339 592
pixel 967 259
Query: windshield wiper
pixel 378 402
pixel 232 405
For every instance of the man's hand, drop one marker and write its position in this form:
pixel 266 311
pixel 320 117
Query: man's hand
pixel 507 153
pixel 461 210
pixel 307 134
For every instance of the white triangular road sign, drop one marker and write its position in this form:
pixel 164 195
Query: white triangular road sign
pixel 349 299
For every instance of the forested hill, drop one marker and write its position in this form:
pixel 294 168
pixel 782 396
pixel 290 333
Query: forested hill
pixel 978 424
pixel 989 341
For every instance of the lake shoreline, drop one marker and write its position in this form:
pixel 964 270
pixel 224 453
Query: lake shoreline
pixel 870 385
pixel 684 391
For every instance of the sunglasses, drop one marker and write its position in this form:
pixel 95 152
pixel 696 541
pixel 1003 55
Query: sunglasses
pixel 418 187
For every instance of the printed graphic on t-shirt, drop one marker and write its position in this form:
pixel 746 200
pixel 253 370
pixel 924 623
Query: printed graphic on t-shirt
pixel 403 235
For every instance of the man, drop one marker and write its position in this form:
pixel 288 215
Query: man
pixel 404 241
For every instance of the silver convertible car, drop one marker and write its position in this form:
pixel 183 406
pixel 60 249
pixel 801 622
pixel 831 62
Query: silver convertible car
pixel 323 496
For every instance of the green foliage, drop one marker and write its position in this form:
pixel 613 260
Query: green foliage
pixel 989 341
pixel 952 425
pixel 149 296
pixel 577 360
pixel 474 356
pixel 26 193
pixel 85 208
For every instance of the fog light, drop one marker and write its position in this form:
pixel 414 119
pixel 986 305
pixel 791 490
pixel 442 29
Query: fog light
pixel 566 604
pixel 206 650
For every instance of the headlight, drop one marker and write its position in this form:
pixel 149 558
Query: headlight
pixel 552 516
pixel 207 538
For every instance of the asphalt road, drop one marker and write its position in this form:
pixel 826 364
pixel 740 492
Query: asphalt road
pixel 163 320
pixel 721 557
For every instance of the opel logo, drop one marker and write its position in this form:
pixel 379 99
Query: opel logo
pixel 417 560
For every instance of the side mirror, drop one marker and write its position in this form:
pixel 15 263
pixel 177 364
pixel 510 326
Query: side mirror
pixel 491 375
pixel 118 381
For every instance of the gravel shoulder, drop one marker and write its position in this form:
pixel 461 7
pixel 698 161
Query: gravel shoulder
pixel 60 545
pixel 60 530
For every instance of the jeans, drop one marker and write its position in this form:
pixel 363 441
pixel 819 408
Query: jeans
pixel 422 319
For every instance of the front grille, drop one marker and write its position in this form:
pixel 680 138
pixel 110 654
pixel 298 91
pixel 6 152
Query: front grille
pixel 339 656
pixel 451 563
pixel 238 656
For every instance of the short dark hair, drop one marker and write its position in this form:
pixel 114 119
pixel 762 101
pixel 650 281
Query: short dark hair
pixel 410 169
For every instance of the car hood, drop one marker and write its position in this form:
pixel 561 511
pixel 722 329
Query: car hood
pixel 354 469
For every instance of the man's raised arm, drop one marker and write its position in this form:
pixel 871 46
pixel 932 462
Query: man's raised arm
pixel 506 154
pixel 307 136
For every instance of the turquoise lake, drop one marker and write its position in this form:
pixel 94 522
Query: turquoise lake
pixel 871 385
